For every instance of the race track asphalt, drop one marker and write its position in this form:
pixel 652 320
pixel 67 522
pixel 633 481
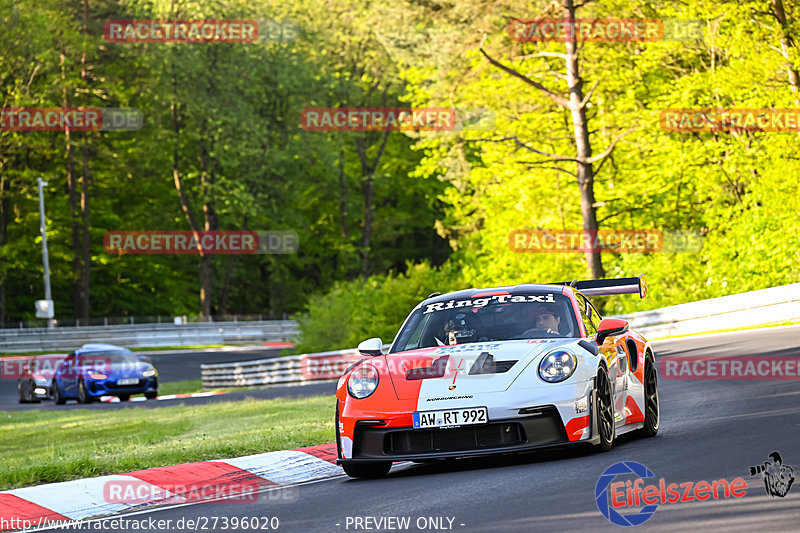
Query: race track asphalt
pixel 709 430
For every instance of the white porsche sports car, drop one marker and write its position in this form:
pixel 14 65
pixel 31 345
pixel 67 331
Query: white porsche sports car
pixel 484 371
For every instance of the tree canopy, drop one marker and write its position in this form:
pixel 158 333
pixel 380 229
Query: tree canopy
pixel 551 135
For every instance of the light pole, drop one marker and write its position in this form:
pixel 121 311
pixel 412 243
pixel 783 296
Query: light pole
pixel 44 309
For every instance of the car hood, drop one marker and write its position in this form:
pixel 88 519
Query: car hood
pixel 127 370
pixel 464 369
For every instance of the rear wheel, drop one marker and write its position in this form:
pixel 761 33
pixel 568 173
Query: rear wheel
pixel 605 411
pixel 652 414
pixel 57 394
pixel 367 470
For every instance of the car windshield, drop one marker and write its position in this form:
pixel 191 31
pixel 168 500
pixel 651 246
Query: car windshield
pixel 111 356
pixel 489 316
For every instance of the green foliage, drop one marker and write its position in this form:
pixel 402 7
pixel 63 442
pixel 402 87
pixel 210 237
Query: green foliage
pixel 243 160
pixel 376 307
pixel 449 198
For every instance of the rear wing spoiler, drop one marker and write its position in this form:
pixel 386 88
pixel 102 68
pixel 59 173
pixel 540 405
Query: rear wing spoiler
pixel 602 287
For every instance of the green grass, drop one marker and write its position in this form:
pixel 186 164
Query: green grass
pixel 180 387
pixel 51 446
pixel 189 386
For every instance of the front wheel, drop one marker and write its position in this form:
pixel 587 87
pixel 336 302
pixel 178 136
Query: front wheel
pixel 21 393
pixel 605 411
pixel 124 397
pixel 83 394
pixel 367 470
pixel 150 395
pixel 652 414
pixel 57 395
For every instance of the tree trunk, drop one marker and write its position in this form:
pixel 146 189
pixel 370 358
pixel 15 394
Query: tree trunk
pixel 205 276
pixel 83 309
pixel 582 144
pixel 367 177
pixel 226 286
pixel 575 102
pixel 4 204
pixel 787 42
pixel 343 197
pixel 72 193
pixel 369 217
pixel 86 244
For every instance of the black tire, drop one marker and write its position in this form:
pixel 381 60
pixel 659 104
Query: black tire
pixel 367 470
pixel 29 398
pixel 83 394
pixel 151 395
pixel 57 395
pixel 606 425
pixel 22 398
pixel 652 412
pixel 124 397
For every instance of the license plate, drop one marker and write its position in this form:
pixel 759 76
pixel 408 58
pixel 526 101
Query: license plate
pixel 450 417
pixel 128 381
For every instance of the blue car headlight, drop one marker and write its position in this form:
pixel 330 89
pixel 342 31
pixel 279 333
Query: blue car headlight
pixel 557 366
pixel 149 373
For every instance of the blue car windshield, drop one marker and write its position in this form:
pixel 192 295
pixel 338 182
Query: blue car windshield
pixel 489 316
pixel 112 356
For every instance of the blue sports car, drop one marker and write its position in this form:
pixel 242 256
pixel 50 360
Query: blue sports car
pixel 96 370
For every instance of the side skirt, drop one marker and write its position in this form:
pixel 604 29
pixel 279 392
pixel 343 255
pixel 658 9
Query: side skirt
pixel 629 427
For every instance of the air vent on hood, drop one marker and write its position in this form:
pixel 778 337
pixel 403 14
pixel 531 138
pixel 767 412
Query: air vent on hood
pixel 485 364
pixel 436 370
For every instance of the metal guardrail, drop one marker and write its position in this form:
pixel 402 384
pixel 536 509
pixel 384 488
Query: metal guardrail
pixel 147 335
pixel 136 320
pixel 738 310
pixel 746 309
pixel 292 369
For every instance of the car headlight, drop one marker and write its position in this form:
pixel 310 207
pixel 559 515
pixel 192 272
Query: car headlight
pixel 97 375
pixel 363 381
pixel 149 373
pixel 557 366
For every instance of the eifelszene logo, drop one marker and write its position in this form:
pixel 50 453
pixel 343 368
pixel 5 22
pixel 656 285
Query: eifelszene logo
pixel 778 477
pixel 614 496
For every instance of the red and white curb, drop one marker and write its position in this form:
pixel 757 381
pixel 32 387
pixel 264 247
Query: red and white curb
pixel 89 498
pixel 114 399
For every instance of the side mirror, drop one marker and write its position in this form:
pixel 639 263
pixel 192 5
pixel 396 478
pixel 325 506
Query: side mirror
pixel 609 327
pixel 371 347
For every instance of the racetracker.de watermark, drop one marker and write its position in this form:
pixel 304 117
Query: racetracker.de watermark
pixel 72 118
pixel 379 119
pixel 730 120
pixel 614 241
pixel 605 30
pixel 45 366
pixel 134 491
pixel 201 242
pixel 199 31
pixel 730 368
